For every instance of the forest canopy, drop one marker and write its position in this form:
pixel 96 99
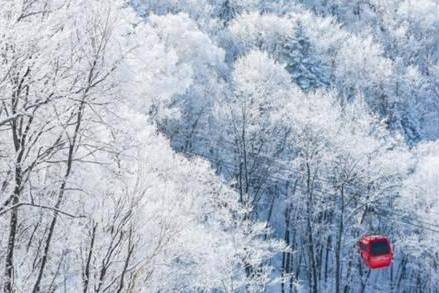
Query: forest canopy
pixel 218 145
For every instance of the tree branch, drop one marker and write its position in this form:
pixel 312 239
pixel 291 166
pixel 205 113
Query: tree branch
pixel 39 206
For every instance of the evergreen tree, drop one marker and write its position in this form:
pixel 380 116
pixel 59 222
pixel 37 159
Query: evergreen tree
pixel 303 63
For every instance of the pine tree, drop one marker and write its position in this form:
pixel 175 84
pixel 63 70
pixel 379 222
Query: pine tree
pixel 303 63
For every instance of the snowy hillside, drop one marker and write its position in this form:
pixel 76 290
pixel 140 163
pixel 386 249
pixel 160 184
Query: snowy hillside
pixel 218 145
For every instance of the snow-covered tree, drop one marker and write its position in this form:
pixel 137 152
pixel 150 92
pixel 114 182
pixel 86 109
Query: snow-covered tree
pixel 164 145
pixel 93 198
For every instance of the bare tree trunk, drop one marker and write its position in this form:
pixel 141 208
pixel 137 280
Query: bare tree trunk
pixel 286 254
pixel 347 287
pixel 8 285
pixel 19 139
pixel 312 272
pixel 10 249
pixel 328 245
pixel 86 274
pixel 130 251
pixel 338 248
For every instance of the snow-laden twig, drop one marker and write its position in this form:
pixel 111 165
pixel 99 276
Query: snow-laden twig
pixel 13 117
pixel 39 206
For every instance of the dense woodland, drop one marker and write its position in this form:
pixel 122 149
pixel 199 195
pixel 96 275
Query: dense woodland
pixel 218 145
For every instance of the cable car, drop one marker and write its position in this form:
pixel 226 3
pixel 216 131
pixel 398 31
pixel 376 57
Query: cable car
pixel 376 251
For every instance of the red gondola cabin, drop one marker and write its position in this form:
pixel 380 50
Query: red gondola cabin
pixel 376 251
